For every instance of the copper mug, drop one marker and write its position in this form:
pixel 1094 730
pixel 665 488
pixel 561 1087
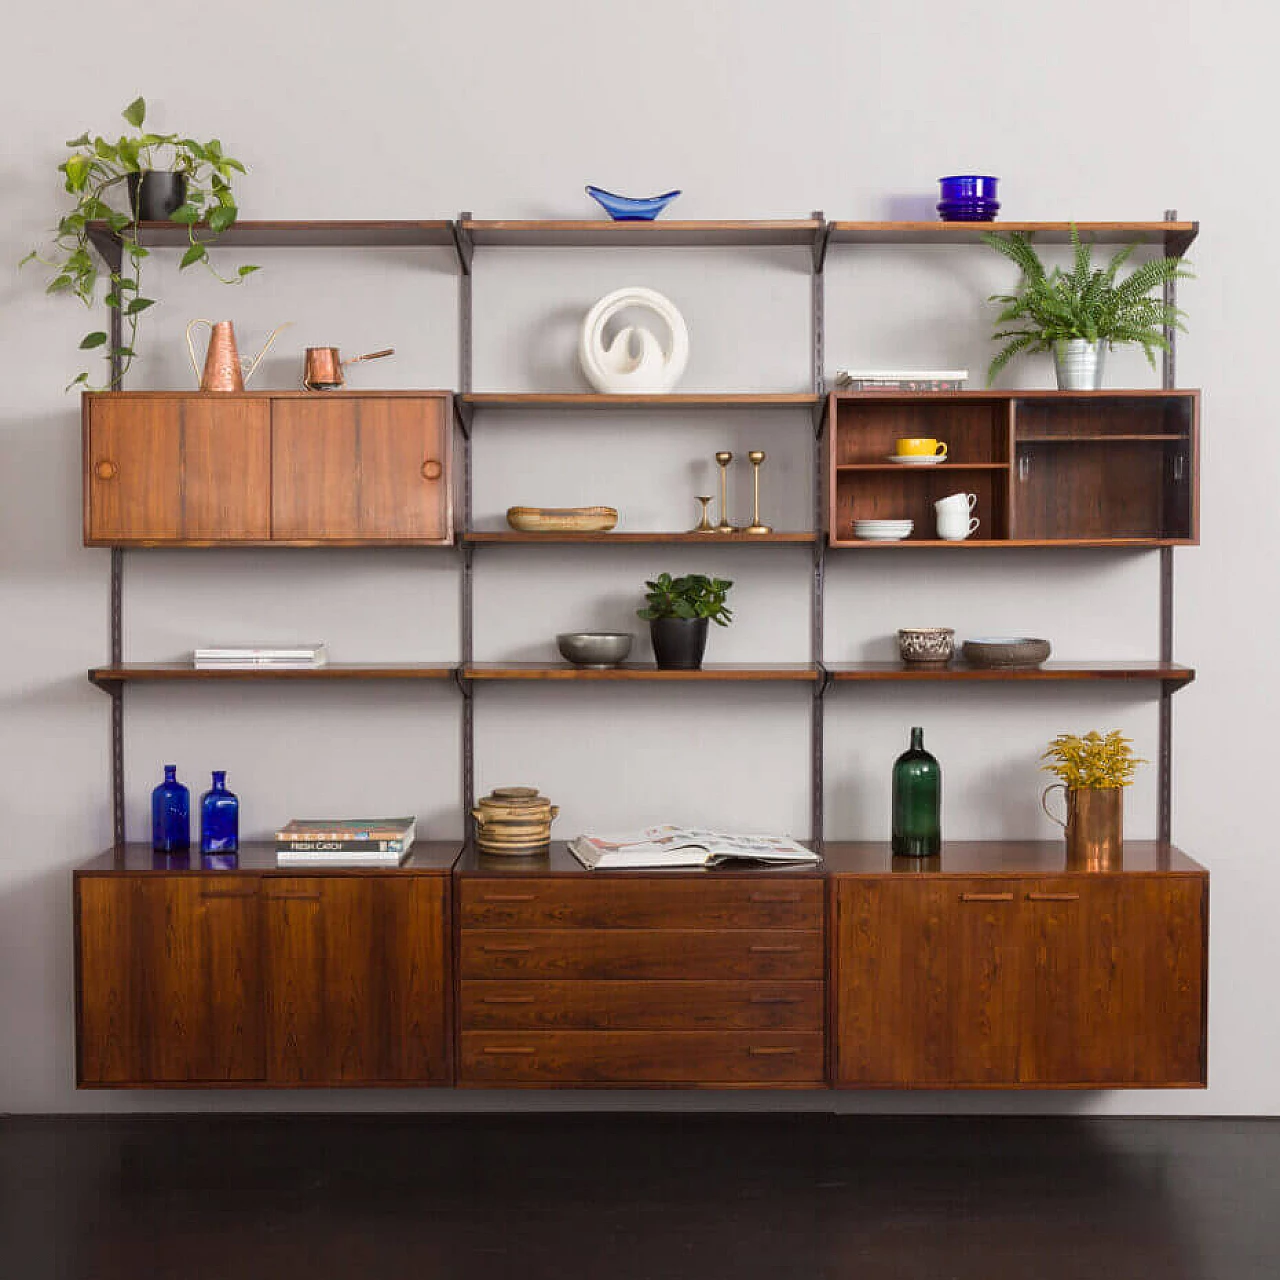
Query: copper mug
pixel 323 370
pixel 1094 826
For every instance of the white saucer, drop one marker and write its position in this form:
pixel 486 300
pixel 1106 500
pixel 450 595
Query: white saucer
pixel 918 460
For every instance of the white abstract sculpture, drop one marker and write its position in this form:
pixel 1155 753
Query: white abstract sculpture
pixel 621 369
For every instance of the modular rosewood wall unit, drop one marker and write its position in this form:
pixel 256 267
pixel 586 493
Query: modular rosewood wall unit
pixel 995 966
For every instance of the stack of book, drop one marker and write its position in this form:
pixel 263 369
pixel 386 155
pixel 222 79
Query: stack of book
pixel 344 842
pixel 252 657
pixel 901 379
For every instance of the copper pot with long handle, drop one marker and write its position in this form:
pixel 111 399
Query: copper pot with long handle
pixel 323 369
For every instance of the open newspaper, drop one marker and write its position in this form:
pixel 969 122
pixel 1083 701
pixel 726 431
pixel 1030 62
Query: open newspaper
pixel 668 846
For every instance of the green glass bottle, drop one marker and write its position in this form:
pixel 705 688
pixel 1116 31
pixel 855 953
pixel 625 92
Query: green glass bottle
pixel 917 801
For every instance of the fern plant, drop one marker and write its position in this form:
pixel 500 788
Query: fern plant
pixel 1053 305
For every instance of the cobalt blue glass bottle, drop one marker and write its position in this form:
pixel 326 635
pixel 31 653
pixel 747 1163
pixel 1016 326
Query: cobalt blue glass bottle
pixel 219 817
pixel 170 814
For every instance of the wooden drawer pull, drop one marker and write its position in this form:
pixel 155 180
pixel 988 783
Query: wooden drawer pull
pixel 775 1000
pixel 432 470
pixel 773 897
pixel 507 897
pixel 514 1050
pixel 770 950
pixel 293 897
pixel 759 1051
pixel 506 946
pixel 986 897
pixel 506 999
pixel 106 469
pixel 228 893
pixel 1053 897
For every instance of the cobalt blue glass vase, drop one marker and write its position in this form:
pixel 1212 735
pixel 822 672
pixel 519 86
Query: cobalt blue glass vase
pixel 170 814
pixel 219 817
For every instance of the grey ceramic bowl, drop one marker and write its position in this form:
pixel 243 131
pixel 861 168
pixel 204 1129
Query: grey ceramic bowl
pixel 595 648
pixel 1005 651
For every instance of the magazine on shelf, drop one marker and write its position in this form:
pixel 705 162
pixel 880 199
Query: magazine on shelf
pixel 310 830
pixel 670 846
pixel 247 656
pixel 901 379
pixel 286 857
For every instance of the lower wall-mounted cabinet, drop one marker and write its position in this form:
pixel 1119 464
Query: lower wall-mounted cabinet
pixel 994 966
pixel 207 978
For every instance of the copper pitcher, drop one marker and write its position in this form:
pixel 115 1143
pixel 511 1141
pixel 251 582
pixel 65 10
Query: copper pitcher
pixel 1094 826
pixel 323 369
pixel 223 368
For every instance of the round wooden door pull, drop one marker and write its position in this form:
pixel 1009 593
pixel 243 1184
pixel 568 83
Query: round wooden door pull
pixel 105 470
pixel 432 470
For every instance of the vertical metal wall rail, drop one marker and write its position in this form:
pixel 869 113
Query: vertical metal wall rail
pixel 113 253
pixel 465 247
pixel 1164 767
pixel 817 725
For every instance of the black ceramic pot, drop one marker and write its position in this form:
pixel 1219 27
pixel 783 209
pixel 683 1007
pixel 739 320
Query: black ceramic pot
pixel 678 643
pixel 156 194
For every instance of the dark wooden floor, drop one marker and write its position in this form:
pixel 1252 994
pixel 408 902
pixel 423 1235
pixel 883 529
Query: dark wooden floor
pixel 613 1197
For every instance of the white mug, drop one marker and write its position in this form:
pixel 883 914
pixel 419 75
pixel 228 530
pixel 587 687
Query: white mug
pixel 954 526
pixel 956 502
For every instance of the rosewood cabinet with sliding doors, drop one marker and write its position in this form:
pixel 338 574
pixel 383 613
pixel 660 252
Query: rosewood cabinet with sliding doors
pixel 568 977
pixel 271 468
pixel 998 966
pixel 245 976
pixel 1051 468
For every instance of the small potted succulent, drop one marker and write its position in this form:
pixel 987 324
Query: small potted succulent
pixel 120 182
pixel 1092 770
pixel 678 610
pixel 1078 314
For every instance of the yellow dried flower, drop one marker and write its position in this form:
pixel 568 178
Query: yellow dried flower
pixel 1093 762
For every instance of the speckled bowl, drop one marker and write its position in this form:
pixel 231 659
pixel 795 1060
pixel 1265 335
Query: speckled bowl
pixel 1005 651
pixel 926 646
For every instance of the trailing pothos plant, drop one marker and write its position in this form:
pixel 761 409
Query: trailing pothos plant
pixel 692 596
pixel 1052 306
pixel 96 175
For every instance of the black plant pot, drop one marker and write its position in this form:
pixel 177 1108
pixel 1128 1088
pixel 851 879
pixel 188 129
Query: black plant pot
pixel 678 643
pixel 155 194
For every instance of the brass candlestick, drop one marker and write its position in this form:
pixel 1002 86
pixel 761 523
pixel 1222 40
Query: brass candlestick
pixel 756 457
pixel 724 457
pixel 704 524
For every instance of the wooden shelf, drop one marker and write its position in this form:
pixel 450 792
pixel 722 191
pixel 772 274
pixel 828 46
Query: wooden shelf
pixel 714 672
pixel 656 403
pixel 1100 437
pixel 433 857
pixel 380 234
pixel 128 672
pixel 1171 674
pixel 599 232
pixel 916 544
pixel 937 466
pixel 1175 237
pixel 998 858
pixel 638 539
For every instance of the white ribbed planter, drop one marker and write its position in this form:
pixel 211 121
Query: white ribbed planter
pixel 1078 364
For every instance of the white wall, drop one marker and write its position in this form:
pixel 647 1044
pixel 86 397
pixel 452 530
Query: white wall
pixel 756 109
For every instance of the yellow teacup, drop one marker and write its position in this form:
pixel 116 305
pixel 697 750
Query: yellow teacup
pixel 917 447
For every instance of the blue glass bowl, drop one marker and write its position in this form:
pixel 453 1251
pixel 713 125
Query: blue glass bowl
pixel 968 186
pixel 967 213
pixel 629 209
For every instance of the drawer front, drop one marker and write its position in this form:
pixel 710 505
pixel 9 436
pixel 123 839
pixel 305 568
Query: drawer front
pixel 641 1006
pixel 756 902
pixel 630 954
pixel 640 1057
